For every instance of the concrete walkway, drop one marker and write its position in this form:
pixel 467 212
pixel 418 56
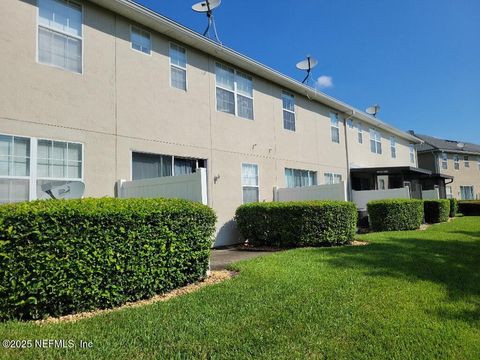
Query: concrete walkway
pixel 221 258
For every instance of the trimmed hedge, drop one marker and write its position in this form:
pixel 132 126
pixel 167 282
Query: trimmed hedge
pixel 436 211
pixel 60 257
pixel 297 224
pixel 453 207
pixel 469 207
pixel 395 214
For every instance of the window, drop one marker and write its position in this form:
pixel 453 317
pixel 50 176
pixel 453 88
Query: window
pixel 140 40
pixel 456 162
pixel 350 123
pixel 444 160
pixel 53 161
pixel 300 178
pixel 478 161
pixel 178 67
pixel 149 166
pixel 332 178
pixel 467 193
pixel 234 92
pixel 412 153
pixel 466 160
pixel 60 34
pixel 448 192
pixel 288 101
pixel 375 141
pixel 381 184
pixel 334 128
pixel 393 147
pixel 250 183
pixel 359 134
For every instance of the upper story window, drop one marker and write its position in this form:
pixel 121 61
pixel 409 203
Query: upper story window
pixel 141 40
pixel 234 92
pixel 375 141
pixel 300 178
pixel 393 147
pixel 332 178
pixel 288 101
pixel 412 153
pixel 350 123
pixel 178 67
pixel 466 160
pixel 444 160
pixel 334 127
pixel 250 183
pixel 456 162
pixel 60 34
pixel 359 133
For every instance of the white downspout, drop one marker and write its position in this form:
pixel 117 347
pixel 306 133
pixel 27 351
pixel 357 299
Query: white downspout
pixel 349 178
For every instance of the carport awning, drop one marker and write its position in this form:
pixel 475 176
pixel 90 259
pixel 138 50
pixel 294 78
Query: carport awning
pixel 395 170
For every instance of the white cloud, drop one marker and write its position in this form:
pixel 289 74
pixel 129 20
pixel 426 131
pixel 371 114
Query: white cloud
pixel 324 82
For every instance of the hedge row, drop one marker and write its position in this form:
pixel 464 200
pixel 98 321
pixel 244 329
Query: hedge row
pixel 469 208
pixel 395 214
pixel 62 257
pixel 436 211
pixel 297 224
pixel 453 207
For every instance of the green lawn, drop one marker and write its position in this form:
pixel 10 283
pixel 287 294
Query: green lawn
pixel 408 295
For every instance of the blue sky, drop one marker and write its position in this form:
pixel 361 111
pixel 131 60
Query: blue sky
pixel 418 59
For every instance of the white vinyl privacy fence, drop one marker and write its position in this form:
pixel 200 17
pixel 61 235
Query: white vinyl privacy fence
pixel 317 192
pixel 430 194
pixel 190 187
pixel 361 198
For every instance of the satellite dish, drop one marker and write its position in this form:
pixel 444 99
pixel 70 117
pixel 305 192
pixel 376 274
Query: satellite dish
pixel 307 65
pixel 373 110
pixel 460 145
pixel 207 7
pixel 69 190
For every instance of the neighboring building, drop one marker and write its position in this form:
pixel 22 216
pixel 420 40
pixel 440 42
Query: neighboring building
pixel 457 159
pixel 103 90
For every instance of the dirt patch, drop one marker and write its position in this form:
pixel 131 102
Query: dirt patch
pixel 424 227
pixel 213 278
pixel 358 243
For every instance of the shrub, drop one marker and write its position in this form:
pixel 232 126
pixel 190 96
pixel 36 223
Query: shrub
pixel 64 256
pixel 436 211
pixel 395 214
pixel 297 224
pixel 469 208
pixel 453 207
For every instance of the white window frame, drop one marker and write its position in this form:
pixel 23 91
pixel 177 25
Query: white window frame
pixel 32 194
pixel 393 147
pixel 334 126
pixel 444 161
pixel 413 157
pixel 359 133
pixel 456 162
pixel 310 173
pixel 65 34
pixel 376 137
pixel 235 91
pixel 287 93
pixel 448 192
pixel 250 186
pixel 172 65
pixel 142 30
pixel 466 161
pixel 333 175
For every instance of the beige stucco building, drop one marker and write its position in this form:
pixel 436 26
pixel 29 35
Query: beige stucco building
pixel 103 90
pixel 457 159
